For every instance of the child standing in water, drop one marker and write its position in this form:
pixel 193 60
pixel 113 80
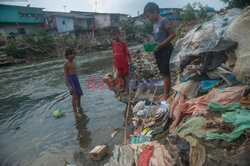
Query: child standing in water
pixel 72 80
pixel 121 57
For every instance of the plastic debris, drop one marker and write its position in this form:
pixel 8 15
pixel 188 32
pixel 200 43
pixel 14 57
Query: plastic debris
pixel 58 113
pixel 238 117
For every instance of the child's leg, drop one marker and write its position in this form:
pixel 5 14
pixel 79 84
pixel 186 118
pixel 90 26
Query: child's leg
pixel 125 85
pixel 119 86
pixel 78 100
pixel 74 102
pixel 167 84
pixel 120 80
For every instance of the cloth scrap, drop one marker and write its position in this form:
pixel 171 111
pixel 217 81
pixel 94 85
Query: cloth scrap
pixel 238 117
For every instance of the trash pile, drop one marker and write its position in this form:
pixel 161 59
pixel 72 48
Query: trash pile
pixel 145 66
pixel 206 121
pixel 144 73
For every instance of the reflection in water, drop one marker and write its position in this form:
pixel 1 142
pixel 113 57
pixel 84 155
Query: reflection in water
pixel 29 94
pixel 81 125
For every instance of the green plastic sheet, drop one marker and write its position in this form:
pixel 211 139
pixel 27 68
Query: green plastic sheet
pixel 192 126
pixel 240 118
pixel 217 106
pixel 58 113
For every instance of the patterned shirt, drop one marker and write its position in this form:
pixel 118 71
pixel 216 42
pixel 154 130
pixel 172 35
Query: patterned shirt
pixel 120 51
pixel 160 30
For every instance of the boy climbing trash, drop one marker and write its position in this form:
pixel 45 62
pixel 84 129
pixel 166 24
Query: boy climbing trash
pixel 163 35
pixel 121 57
pixel 71 79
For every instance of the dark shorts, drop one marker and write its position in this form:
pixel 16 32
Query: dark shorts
pixel 74 82
pixel 162 58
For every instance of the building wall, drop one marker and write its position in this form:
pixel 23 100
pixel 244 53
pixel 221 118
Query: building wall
pixel 81 23
pixel 50 23
pixel 64 24
pixel 102 21
pixel 29 28
pixel 115 20
pixel 171 14
pixel 20 14
pixel 123 18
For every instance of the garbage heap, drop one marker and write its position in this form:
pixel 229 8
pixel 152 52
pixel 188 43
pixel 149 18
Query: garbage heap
pixel 142 79
pixel 206 121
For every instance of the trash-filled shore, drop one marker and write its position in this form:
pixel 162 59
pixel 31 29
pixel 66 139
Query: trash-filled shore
pixel 206 120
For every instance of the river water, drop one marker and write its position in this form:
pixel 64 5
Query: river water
pixel 31 92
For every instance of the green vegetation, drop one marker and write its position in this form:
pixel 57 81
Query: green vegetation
pixel 132 31
pixel 236 3
pixel 41 44
pixel 189 12
pixel 148 28
pixel 12 50
pixel 194 12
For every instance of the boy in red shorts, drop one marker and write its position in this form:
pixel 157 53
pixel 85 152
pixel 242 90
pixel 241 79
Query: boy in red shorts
pixel 121 57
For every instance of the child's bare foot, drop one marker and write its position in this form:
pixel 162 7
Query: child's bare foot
pixel 76 113
pixel 80 108
pixel 121 90
pixel 126 92
pixel 160 96
pixel 164 97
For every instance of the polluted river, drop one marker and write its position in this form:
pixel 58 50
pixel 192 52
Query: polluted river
pixel 31 92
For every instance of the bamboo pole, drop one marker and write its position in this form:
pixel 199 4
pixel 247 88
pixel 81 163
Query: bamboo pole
pixel 146 115
pixel 126 121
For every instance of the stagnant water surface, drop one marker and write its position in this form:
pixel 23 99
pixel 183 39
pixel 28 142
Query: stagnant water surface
pixel 31 92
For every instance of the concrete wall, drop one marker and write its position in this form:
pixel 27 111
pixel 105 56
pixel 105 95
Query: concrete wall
pixel 64 24
pixel 50 23
pixel 29 28
pixel 81 23
pixel 102 21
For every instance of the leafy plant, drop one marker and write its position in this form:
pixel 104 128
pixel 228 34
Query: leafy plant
pixel 29 40
pixel 236 3
pixel 12 50
pixel 42 32
pixel 148 28
pixel 189 12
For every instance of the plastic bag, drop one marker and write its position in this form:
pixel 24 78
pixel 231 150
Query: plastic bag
pixel 189 88
pixel 208 37
pixel 212 60
pixel 206 85
pixel 217 106
pixel 239 32
pixel 142 139
pixel 238 117
pixel 145 155
pixel 162 109
pixel 218 72
pixel 142 112
pixel 58 113
pixel 139 106
pixel 149 47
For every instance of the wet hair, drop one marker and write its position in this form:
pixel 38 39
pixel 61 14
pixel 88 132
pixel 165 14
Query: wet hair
pixel 115 30
pixel 151 7
pixel 69 51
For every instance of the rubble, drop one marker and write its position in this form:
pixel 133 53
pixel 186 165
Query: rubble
pixel 206 119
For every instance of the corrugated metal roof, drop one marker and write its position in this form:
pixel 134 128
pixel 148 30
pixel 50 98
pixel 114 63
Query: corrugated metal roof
pixel 96 13
pixel 171 9
pixel 15 6
pixel 64 14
